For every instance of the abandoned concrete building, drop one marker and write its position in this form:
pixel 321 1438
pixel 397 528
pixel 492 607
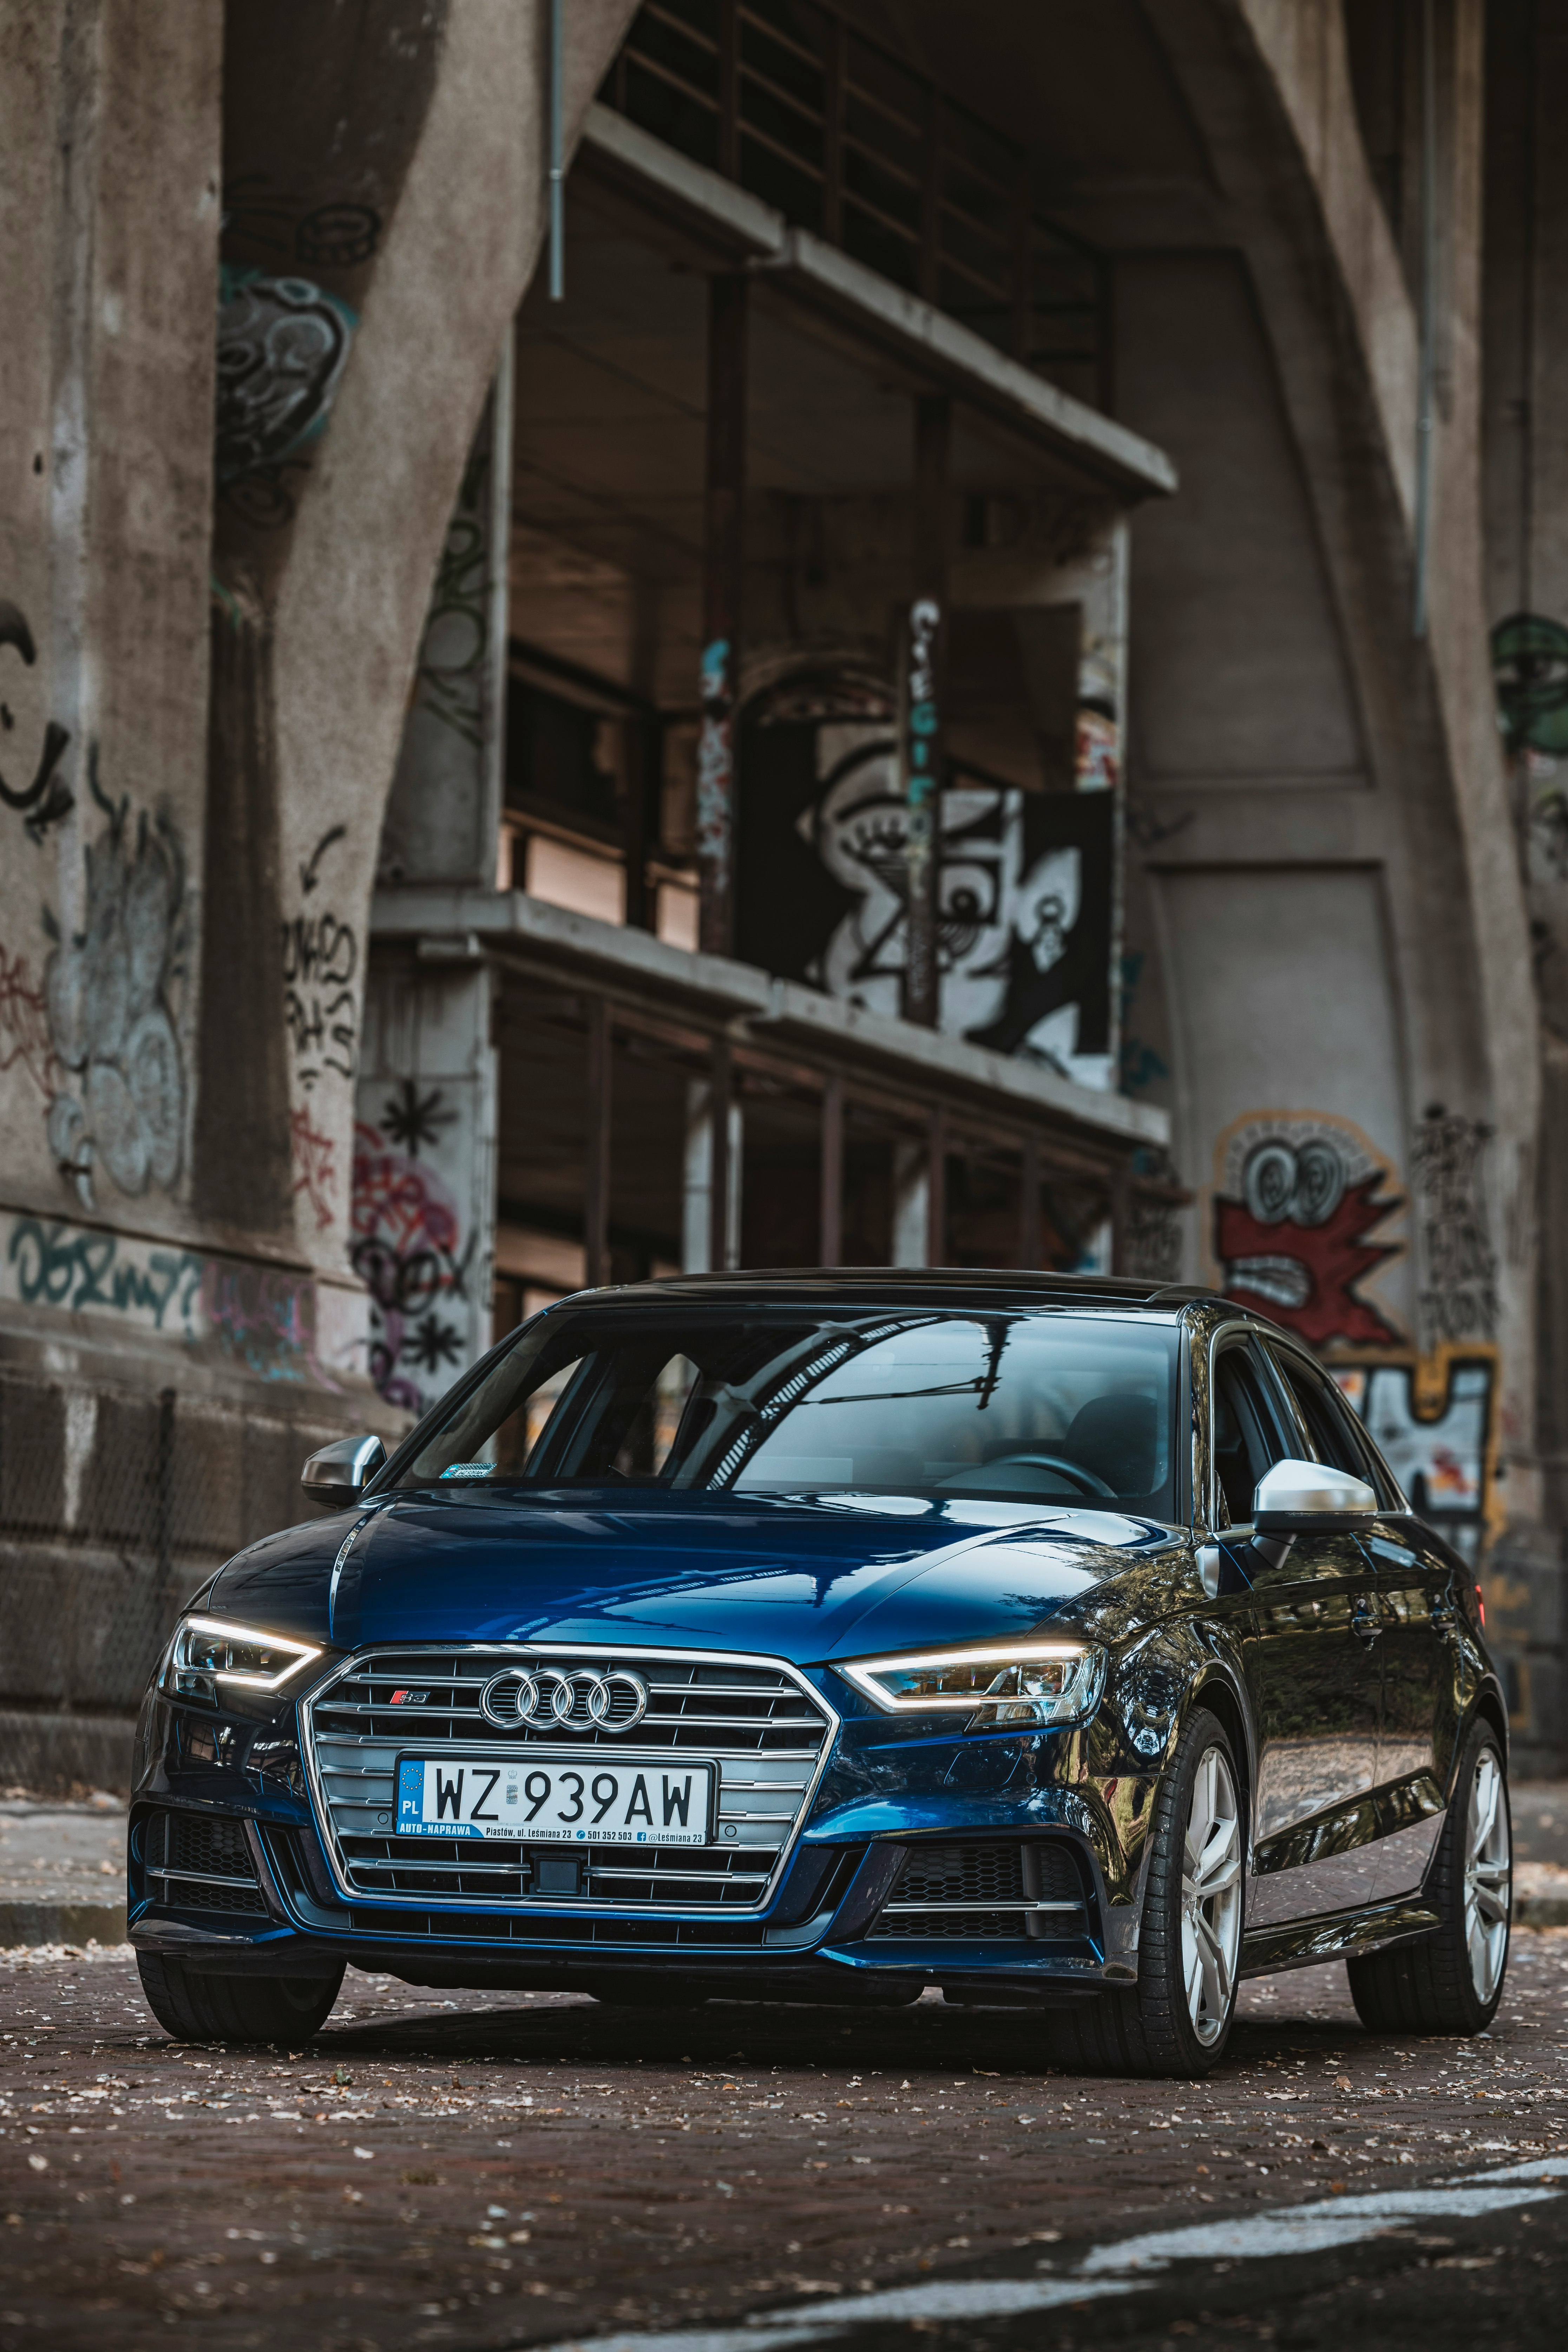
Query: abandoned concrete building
pixel 766 632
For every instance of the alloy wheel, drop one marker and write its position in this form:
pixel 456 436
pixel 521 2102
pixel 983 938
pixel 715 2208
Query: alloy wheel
pixel 1489 1871
pixel 1211 1898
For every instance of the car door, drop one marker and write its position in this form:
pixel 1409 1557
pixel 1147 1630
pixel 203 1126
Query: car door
pixel 1311 1663
pixel 1416 1608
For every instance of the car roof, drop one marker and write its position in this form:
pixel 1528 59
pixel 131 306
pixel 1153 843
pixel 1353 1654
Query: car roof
pixel 878 1284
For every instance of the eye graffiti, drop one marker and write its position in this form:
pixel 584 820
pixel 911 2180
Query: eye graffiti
pixel 283 344
pixel 1300 1197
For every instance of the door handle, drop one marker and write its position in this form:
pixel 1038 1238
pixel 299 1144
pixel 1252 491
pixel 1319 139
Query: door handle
pixel 1366 1623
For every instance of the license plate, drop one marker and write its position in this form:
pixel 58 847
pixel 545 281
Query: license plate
pixel 551 1799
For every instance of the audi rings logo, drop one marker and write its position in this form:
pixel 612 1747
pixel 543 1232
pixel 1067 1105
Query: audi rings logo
pixel 552 1698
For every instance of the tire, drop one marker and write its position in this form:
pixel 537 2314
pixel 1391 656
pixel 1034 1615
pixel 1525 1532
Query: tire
pixel 197 2008
pixel 1176 2020
pixel 1451 1982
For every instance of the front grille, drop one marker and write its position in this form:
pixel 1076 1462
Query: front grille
pixel 763 1726
pixel 1030 1887
pixel 200 1862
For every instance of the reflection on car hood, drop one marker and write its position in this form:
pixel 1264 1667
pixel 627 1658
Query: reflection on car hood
pixel 804 1579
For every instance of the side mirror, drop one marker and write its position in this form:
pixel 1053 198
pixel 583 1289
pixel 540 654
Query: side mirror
pixel 1301 1498
pixel 338 1475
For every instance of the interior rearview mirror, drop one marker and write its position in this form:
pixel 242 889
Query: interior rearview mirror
pixel 1308 1497
pixel 338 1475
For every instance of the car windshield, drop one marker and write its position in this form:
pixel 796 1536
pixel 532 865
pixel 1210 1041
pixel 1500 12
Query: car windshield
pixel 1043 1406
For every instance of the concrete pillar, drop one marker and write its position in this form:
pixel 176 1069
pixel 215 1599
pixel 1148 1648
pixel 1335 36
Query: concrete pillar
pixel 422 1236
pixel 697 1217
pixel 423 1239
pixel 911 1194
pixel 723 572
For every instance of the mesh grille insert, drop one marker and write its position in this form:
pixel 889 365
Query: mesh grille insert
pixel 948 1892
pixel 201 1862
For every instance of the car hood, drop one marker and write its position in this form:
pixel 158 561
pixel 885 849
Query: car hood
pixel 802 1579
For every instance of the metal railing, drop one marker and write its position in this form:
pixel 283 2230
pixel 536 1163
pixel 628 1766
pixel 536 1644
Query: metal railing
pixel 839 135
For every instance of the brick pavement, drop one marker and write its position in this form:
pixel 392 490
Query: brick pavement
pixel 489 2170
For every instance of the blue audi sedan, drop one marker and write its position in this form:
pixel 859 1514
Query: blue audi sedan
pixel 1062 1643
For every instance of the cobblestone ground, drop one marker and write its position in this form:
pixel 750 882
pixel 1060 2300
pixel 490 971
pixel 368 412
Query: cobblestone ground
pixel 490 2169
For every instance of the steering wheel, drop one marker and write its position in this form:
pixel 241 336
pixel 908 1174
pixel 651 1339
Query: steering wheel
pixel 1085 1480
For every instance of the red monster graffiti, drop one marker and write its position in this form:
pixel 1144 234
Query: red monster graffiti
pixel 1295 1244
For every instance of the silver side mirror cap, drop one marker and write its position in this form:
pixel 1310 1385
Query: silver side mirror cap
pixel 1307 1498
pixel 339 1474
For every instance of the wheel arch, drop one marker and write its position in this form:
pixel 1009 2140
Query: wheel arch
pixel 1216 1692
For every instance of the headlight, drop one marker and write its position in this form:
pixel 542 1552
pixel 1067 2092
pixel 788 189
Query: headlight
pixel 208 1652
pixel 1024 1682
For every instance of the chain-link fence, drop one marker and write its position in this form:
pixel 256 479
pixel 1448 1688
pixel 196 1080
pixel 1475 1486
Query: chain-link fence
pixel 113 1507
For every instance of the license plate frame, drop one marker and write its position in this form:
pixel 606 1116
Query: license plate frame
pixel 513 1826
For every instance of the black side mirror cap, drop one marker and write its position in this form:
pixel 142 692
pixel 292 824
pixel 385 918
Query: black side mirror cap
pixel 339 1474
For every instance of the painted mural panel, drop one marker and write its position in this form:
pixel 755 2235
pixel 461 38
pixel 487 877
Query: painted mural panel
pixel 1434 1422
pixel 1025 891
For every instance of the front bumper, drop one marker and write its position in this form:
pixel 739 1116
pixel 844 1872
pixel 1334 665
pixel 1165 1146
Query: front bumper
pixel 999 1818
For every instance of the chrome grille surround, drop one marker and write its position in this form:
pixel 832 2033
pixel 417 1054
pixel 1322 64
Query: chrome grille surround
pixel 769 1731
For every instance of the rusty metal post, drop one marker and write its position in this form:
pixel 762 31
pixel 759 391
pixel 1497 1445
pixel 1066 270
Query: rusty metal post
pixel 830 1228
pixel 936 1186
pixel 722 574
pixel 922 683
pixel 596 1169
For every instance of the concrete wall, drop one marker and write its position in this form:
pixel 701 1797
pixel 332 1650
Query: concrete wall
pixel 213 584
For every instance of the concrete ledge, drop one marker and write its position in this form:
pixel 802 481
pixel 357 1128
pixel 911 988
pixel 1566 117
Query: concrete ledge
pixel 49 1752
pixel 437 917
pixel 62 1923
pixel 1540 1911
pixel 932 346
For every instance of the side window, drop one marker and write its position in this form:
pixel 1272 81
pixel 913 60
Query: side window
pixel 1335 1435
pixel 1246 1438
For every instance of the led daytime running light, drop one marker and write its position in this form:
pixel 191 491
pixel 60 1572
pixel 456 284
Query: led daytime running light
pixel 1043 1682
pixel 271 1659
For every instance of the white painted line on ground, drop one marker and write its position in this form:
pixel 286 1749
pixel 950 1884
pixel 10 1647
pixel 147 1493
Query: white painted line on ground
pixel 1122 2267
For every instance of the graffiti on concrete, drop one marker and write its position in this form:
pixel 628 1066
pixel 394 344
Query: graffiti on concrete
pixel 46 800
pixel 321 960
pixel 1142 1065
pixel 453 650
pixel 409 1118
pixel 1023 892
pixel 314 1157
pixel 261 1315
pixel 58 1265
pixel 337 236
pixel 716 760
pixel 339 233
pixel 1435 1420
pixel 1530 666
pixel 1152 1242
pixel 1459 1297
pixel 120 1108
pixel 25 1026
pixel 1297 1197
pixel 263 1319
pixel 282 346
pixel 406 1249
